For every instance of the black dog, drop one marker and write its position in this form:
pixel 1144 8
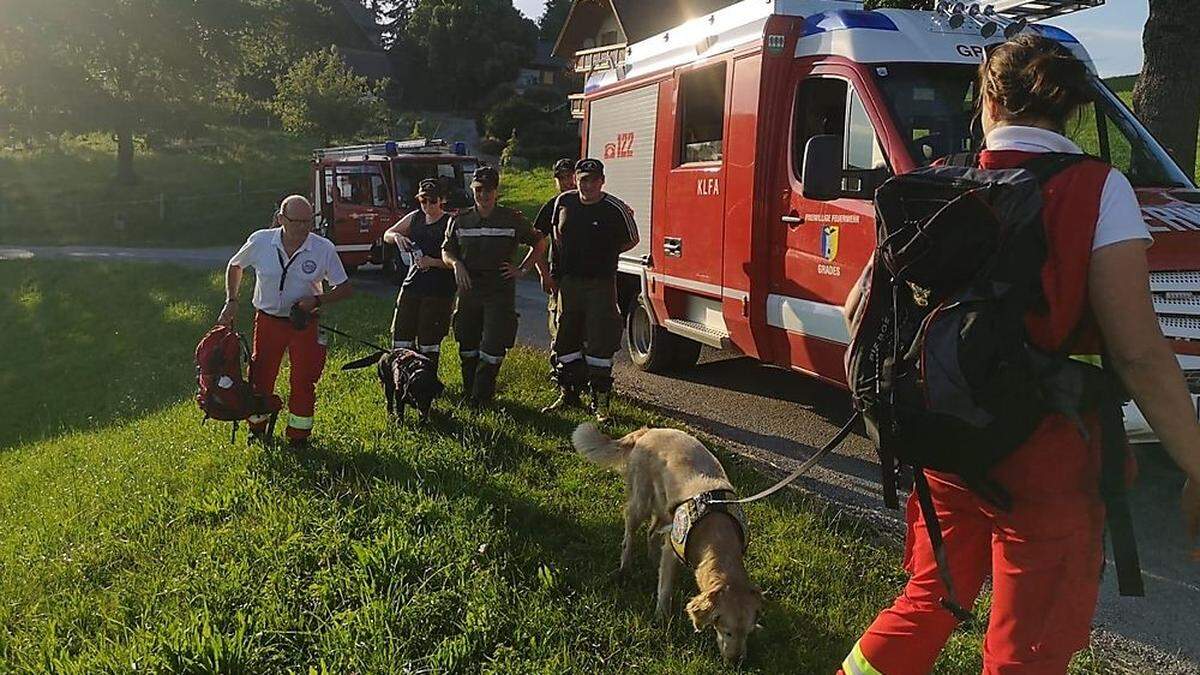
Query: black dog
pixel 407 378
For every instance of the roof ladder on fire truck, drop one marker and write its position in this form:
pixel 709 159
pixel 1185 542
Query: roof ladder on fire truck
pixel 1040 10
pixel 387 149
pixel 1010 15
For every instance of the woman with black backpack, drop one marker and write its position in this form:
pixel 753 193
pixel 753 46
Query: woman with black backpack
pixel 1045 551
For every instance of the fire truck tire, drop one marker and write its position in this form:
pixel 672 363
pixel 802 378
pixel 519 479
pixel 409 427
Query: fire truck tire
pixel 652 348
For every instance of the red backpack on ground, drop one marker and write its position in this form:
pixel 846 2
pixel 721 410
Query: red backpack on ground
pixel 224 394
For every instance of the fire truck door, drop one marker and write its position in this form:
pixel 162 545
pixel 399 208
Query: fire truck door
pixel 818 249
pixel 690 243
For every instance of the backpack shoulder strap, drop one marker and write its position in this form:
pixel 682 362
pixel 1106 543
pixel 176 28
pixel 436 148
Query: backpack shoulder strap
pixel 1048 165
pixel 964 159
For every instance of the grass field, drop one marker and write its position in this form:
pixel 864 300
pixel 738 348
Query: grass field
pixel 209 192
pixel 133 538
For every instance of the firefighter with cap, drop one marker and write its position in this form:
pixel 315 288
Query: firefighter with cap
pixel 589 230
pixel 564 180
pixel 480 246
pixel 426 299
pixel 292 267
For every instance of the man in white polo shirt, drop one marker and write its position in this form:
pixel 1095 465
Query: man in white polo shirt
pixel 290 264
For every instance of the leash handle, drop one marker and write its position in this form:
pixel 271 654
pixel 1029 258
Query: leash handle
pixel 351 337
pixel 803 468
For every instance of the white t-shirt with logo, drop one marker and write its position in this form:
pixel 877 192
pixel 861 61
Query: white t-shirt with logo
pixel 281 282
pixel 1120 216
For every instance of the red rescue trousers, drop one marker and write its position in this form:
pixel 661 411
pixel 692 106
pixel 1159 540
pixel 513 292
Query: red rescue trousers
pixel 273 336
pixel 1045 557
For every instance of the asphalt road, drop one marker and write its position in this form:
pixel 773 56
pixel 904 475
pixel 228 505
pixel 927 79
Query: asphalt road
pixel 777 419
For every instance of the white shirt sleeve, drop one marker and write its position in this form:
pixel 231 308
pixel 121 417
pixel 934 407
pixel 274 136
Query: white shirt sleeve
pixel 1120 216
pixel 335 272
pixel 247 255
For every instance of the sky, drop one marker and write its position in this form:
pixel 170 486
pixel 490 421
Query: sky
pixel 1112 33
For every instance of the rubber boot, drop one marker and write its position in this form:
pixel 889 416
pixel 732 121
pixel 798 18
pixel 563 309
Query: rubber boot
pixel 470 365
pixel 485 383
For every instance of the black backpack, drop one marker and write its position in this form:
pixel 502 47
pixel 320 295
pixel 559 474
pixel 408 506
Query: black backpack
pixel 940 364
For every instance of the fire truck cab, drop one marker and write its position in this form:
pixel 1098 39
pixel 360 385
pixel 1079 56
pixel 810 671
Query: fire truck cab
pixel 750 141
pixel 360 191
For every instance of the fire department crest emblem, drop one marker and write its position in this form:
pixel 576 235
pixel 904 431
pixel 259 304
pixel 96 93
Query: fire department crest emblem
pixel 829 242
pixel 309 266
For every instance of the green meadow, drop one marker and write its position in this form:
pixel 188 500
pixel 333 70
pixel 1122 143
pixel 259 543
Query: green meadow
pixel 134 538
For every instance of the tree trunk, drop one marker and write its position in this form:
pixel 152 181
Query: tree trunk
pixel 1167 94
pixel 125 173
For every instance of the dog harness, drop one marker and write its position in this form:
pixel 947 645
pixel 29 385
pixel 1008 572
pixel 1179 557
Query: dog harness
pixel 692 511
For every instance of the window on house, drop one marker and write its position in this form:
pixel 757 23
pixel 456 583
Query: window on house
pixel 702 115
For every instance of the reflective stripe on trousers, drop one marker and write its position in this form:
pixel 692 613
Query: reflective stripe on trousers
pixel 298 422
pixel 857 664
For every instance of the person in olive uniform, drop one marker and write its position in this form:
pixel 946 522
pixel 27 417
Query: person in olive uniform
pixel 564 180
pixel 426 298
pixel 589 230
pixel 480 245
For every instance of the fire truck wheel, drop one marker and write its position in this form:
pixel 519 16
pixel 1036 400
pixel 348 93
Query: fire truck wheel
pixel 654 349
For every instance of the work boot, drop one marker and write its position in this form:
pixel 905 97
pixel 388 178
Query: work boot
pixel 600 405
pixel 567 398
pixel 485 383
pixel 470 365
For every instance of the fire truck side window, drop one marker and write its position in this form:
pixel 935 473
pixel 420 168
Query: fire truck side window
pixel 862 146
pixel 362 189
pixel 702 115
pixel 820 109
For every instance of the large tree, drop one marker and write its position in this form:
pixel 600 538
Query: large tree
pixel 126 66
pixel 462 49
pixel 551 23
pixel 1167 94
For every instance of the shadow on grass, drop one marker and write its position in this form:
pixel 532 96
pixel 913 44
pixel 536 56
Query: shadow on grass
pixel 92 344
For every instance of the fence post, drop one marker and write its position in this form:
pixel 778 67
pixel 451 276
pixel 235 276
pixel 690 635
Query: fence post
pixel 162 207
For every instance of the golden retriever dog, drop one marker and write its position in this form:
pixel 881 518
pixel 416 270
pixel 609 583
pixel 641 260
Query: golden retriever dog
pixel 664 468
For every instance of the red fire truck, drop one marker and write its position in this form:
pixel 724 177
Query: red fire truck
pixel 749 243
pixel 362 190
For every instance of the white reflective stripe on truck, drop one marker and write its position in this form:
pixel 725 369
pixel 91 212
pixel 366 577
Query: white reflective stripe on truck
pixel 815 319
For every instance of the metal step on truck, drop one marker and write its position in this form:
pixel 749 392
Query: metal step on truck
pixel 359 191
pixel 704 129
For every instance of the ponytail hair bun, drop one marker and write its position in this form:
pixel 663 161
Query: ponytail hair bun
pixel 1035 78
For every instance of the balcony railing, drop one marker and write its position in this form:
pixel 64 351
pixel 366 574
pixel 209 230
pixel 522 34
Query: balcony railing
pixel 599 58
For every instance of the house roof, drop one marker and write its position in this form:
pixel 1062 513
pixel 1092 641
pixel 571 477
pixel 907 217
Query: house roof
pixel 544 58
pixel 363 18
pixel 638 19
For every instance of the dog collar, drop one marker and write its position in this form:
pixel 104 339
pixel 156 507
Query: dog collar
pixel 692 511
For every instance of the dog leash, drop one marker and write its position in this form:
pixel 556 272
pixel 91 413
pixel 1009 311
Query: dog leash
pixel 351 337
pixel 803 468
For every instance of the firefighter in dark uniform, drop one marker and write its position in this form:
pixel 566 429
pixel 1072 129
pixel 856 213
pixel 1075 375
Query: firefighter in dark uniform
pixel 564 180
pixel 589 230
pixel 422 316
pixel 480 246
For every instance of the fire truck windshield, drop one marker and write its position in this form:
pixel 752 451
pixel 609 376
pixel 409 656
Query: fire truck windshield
pixel 455 176
pixel 933 106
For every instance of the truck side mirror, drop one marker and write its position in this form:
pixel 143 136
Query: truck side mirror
pixel 822 172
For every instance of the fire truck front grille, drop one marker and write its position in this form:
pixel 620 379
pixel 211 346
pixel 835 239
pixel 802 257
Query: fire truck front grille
pixel 1177 302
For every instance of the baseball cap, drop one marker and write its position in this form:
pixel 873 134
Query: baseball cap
pixel 430 187
pixel 486 177
pixel 564 166
pixel 586 166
